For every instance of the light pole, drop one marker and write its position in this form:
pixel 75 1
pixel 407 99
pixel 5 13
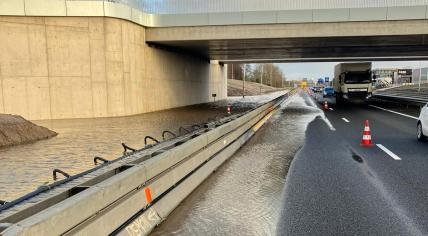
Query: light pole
pixel 261 80
pixel 420 76
pixel 243 83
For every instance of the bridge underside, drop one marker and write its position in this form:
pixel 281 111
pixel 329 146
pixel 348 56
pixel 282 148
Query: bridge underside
pixel 396 40
pixel 374 48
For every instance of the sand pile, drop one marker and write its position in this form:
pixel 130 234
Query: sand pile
pixel 16 130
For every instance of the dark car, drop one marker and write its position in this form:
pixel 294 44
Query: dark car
pixel 317 89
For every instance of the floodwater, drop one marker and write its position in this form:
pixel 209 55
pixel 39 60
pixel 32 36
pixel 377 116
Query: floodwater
pixel 244 196
pixel 23 168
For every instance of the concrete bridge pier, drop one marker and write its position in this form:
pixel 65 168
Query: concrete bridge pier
pixel 84 67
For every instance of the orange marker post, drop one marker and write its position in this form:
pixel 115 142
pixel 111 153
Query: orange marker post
pixel 148 195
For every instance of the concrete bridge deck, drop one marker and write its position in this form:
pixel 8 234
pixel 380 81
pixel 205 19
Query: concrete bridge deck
pixel 328 41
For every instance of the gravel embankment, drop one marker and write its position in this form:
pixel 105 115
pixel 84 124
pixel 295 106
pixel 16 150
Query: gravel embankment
pixel 16 130
pixel 234 88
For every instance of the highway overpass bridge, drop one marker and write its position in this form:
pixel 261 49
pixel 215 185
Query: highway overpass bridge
pixel 333 41
pixel 93 58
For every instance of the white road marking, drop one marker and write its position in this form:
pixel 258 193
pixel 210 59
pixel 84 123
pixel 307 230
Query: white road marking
pixel 346 120
pixel 325 119
pixel 387 151
pixel 398 113
pixel 331 109
pixel 313 103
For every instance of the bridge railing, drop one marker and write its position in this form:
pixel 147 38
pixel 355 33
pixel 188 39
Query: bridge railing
pixel 221 6
pixel 140 13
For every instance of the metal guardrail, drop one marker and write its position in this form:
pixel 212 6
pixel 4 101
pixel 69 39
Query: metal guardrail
pixel 405 94
pixel 86 201
pixel 402 98
pixel 146 151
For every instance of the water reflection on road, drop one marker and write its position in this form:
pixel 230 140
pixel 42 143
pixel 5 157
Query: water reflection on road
pixel 244 196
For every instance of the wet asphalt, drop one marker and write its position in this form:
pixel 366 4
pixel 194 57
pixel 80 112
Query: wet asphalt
pixel 245 195
pixel 336 187
pixel 332 187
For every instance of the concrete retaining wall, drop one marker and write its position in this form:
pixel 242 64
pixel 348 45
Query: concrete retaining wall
pixel 83 67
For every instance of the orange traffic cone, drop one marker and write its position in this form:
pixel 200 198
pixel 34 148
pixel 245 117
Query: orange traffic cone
pixel 229 111
pixel 367 137
pixel 326 106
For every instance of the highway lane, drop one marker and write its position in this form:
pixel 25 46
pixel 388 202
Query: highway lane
pixel 335 186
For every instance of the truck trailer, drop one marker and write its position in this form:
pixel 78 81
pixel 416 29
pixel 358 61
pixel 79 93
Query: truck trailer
pixel 353 82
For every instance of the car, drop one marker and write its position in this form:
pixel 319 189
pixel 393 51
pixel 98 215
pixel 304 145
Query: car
pixel 328 92
pixel 422 125
pixel 317 89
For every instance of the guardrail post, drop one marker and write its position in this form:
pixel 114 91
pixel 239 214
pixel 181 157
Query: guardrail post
pixel 181 129
pixel 150 137
pixel 96 159
pixel 55 171
pixel 168 132
pixel 126 148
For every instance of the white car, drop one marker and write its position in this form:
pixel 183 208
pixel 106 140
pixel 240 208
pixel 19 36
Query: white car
pixel 423 123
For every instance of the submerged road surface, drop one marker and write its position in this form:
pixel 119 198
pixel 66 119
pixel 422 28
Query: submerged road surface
pixel 25 167
pixel 244 196
pixel 337 187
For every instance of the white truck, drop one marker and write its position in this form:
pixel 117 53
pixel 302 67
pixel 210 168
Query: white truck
pixel 353 82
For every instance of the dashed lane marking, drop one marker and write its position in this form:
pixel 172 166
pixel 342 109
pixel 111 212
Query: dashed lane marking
pixel 398 113
pixel 346 120
pixel 387 151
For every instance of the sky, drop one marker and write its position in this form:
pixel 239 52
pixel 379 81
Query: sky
pixel 315 70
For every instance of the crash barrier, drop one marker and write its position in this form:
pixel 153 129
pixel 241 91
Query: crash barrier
pixel 134 193
pixel 404 94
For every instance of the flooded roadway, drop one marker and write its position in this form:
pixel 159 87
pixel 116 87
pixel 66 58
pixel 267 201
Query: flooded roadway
pixel 244 196
pixel 23 168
